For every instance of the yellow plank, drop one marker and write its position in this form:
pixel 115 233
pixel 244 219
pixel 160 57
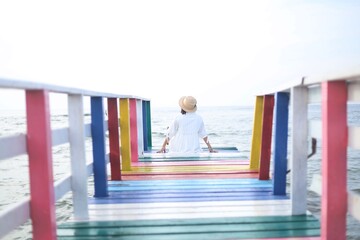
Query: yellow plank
pixel 125 134
pixel 256 134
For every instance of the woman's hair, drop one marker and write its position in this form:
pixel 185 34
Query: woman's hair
pixel 183 111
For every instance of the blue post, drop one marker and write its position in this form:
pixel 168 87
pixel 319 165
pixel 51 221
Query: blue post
pixel 98 143
pixel 281 141
pixel 145 127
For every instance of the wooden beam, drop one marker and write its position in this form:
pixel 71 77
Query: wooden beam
pixel 334 158
pixel 256 133
pixel 298 159
pixel 42 208
pixel 265 154
pixel 281 141
pixel 98 140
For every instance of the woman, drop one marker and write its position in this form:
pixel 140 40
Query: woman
pixel 185 131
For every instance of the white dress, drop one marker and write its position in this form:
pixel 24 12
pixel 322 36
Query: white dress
pixel 185 133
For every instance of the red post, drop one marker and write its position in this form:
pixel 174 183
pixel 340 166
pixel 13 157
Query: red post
pixel 39 148
pixel 334 162
pixel 133 131
pixel 114 142
pixel 265 153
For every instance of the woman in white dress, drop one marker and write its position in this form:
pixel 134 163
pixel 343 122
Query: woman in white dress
pixel 186 130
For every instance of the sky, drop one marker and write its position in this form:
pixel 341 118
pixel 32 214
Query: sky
pixel 221 52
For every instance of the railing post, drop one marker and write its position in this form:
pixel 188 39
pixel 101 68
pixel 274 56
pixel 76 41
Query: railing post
pixel 256 134
pixel 125 134
pixel 281 142
pixel 42 204
pixel 98 140
pixel 114 141
pixel 145 125
pixel 298 159
pixel 133 131
pixel 334 160
pixel 140 131
pixel 148 123
pixel 267 123
pixel 78 159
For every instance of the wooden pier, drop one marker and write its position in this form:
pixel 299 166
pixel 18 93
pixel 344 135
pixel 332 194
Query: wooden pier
pixel 147 195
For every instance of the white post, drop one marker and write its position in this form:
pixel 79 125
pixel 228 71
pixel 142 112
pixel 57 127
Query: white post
pixel 299 148
pixel 140 130
pixel 78 159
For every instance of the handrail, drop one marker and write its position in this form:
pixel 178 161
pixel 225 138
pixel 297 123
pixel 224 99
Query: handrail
pixel 332 92
pixel 44 226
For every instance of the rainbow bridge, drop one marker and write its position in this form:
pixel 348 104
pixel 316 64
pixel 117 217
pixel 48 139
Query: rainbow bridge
pixel 147 195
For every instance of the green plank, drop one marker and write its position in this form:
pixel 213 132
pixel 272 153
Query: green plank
pixel 211 228
pixel 195 221
pixel 209 236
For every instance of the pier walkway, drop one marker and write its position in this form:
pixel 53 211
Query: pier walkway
pixel 213 196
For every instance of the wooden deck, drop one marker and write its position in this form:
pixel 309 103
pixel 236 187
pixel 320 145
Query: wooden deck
pixel 210 196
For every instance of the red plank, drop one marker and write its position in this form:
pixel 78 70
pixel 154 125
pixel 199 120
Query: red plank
pixel 265 150
pixel 114 142
pixel 334 166
pixel 133 131
pixel 39 147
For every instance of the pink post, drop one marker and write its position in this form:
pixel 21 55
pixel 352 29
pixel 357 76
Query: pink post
pixel 334 162
pixel 265 153
pixel 114 139
pixel 42 204
pixel 133 131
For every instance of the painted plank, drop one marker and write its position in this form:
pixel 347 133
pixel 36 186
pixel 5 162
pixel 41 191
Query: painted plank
pixel 98 142
pixel 193 163
pixel 354 204
pixel 354 137
pixel 125 134
pixel 140 126
pixel 60 136
pixel 185 176
pixel 133 131
pixel 78 156
pixel 266 137
pixel 200 221
pixel 280 142
pixel 249 203
pixel 298 153
pixel 12 146
pixel 214 228
pixel 62 187
pixel 40 164
pixel 14 215
pixel 114 139
pixel 256 134
pixel 334 152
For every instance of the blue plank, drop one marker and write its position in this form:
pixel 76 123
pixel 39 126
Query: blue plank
pixel 281 142
pixel 98 143
pixel 192 182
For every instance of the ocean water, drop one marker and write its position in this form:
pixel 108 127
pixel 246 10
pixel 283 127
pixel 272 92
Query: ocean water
pixel 226 126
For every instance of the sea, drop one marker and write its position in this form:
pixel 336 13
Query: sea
pixel 227 126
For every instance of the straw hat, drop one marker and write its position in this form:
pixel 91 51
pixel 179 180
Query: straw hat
pixel 188 103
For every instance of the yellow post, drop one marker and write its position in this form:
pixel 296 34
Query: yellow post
pixel 125 134
pixel 256 134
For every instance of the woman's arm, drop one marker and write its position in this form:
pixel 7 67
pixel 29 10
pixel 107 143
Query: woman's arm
pixel 163 147
pixel 206 140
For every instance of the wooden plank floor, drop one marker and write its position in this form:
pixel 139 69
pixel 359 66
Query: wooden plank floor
pixel 201 198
